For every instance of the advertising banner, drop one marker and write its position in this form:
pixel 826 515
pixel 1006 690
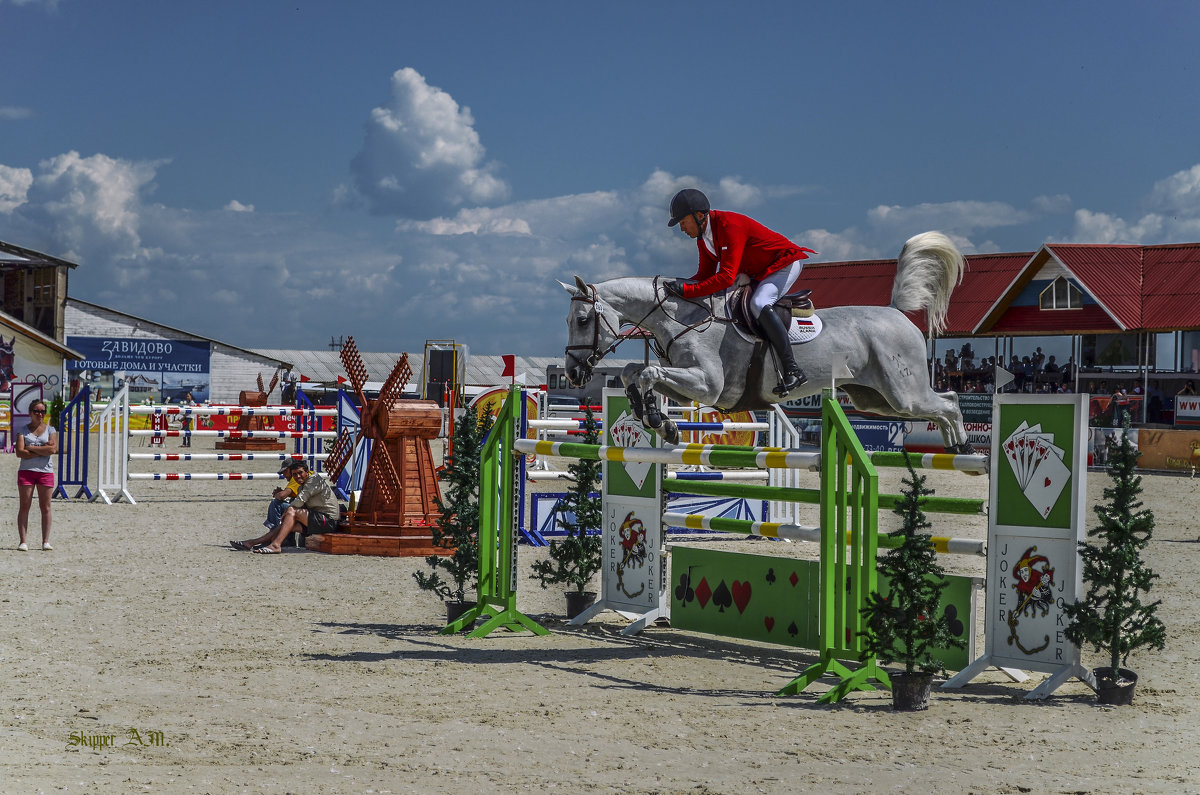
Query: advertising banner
pixel 159 370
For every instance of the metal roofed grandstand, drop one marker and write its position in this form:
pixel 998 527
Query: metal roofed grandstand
pixel 325 366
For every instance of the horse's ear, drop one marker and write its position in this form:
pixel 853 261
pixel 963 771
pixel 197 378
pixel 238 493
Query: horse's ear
pixel 580 283
pixel 568 288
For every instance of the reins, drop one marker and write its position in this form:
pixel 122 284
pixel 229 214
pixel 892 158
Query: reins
pixel 595 354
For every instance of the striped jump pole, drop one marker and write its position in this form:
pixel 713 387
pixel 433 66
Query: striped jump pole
pixel 225 411
pixel 240 434
pixel 729 476
pixel 579 425
pixel 205 476
pixel 718 455
pixel 226 457
pixel 709 455
pixel 793 532
pixel 934 504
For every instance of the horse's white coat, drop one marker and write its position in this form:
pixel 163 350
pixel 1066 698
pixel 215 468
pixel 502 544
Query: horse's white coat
pixel 708 361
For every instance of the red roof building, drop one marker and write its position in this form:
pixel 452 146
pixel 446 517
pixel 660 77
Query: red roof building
pixel 1061 289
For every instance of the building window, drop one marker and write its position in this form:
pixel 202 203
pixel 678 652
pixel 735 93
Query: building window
pixel 1061 294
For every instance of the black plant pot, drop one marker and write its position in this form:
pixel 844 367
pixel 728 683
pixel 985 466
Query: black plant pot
pixel 910 692
pixel 456 609
pixel 1117 692
pixel 578 602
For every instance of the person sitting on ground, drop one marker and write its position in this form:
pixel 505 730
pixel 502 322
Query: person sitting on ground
pixel 281 496
pixel 314 508
pixel 731 244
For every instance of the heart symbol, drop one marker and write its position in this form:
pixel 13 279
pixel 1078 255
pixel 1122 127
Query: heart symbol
pixel 770 622
pixel 1047 482
pixel 741 595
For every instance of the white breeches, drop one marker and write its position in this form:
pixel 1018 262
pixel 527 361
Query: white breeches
pixel 770 289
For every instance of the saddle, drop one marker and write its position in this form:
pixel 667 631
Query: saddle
pixel 794 304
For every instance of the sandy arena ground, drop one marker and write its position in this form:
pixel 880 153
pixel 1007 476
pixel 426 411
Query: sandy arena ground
pixel 220 671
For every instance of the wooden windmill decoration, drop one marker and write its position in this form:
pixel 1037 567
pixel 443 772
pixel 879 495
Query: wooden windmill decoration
pixel 257 422
pixel 398 507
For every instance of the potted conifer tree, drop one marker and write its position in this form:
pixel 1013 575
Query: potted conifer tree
pixel 907 623
pixel 577 558
pixel 1112 617
pixel 455 574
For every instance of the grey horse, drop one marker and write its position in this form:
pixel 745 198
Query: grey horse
pixel 705 358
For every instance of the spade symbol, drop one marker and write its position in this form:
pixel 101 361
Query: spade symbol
pixel 722 598
pixel 793 630
pixel 956 626
pixel 770 576
pixel 684 592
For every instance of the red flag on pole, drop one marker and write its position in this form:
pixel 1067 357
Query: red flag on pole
pixel 341 380
pixel 304 378
pixel 510 366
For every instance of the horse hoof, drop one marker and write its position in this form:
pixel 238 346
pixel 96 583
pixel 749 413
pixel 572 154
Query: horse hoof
pixel 670 432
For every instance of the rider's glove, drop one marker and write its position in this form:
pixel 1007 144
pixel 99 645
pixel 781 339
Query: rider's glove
pixel 674 286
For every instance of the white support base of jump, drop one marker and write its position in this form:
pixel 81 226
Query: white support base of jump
pixel 638 621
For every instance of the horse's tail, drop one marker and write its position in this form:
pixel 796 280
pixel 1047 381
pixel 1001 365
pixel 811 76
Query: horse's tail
pixel 927 271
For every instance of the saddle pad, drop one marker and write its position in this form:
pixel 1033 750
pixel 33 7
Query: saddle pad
pixel 804 329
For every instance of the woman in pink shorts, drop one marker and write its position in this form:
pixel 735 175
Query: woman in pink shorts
pixel 36 447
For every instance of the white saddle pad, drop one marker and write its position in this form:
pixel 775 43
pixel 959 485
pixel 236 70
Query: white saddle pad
pixel 804 329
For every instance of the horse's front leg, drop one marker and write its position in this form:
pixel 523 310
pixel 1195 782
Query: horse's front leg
pixel 629 377
pixel 688 382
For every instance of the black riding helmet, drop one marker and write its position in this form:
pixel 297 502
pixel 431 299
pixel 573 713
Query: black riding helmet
pixel 686 202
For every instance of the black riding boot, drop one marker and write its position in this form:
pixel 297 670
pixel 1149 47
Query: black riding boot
pixel 776 334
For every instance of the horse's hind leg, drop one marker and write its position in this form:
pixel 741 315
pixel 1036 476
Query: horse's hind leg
pixel 940 408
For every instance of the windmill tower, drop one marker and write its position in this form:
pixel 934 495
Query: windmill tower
pixel 398 507
pixel 254 423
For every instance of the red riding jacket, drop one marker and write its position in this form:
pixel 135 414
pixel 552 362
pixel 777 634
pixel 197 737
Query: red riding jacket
pixel 743 246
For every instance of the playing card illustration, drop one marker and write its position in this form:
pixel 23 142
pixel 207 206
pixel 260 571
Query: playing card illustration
pixel 628 432
pixel 1038 466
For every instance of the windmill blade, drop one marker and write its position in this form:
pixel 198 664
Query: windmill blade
pixel 339 455
pixel 383 472
pixel 393 387
pixel 274 381
pixel 260 382
pixel 355 370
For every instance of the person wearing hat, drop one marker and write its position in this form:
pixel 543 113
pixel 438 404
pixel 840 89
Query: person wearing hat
pixel 281 496
pixel 314 508
pixel 731 244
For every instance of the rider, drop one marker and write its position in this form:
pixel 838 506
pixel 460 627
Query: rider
pixel 772 262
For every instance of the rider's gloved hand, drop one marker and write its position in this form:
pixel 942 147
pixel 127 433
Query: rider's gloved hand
pixel 674 286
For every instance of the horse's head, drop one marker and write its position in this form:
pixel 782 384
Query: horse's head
pixel 592 327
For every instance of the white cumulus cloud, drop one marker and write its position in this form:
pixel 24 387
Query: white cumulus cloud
pixel 1178 193
pixel 421 156
pixel 14 185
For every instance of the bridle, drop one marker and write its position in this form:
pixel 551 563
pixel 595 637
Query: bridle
pixel 595 354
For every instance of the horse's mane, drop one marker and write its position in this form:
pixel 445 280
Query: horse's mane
pixel 927 271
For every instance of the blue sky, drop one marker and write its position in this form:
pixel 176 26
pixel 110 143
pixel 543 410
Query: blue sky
pixel 273 174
